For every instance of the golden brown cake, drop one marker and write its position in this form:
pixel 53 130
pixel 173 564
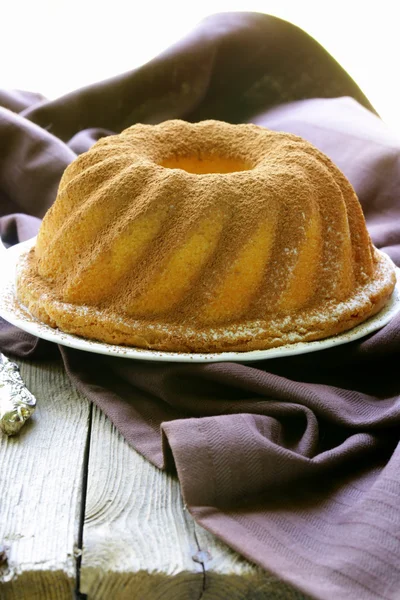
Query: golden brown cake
pixel 204 237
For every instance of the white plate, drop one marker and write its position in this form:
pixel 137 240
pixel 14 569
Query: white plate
pixel 13 313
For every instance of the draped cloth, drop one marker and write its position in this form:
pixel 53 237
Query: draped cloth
pixel 293 462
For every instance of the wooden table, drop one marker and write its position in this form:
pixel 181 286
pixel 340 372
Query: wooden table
pixel 83 513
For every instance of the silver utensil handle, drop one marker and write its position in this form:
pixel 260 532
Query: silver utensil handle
pixel 17 403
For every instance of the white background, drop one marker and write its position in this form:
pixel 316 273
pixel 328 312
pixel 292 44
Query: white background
pixel 56 46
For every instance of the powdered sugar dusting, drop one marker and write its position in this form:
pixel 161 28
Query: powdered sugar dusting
pixel 284 327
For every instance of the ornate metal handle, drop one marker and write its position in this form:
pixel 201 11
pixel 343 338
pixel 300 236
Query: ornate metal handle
pixel 17 403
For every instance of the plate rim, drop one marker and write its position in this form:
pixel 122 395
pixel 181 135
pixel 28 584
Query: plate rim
pixel 35 327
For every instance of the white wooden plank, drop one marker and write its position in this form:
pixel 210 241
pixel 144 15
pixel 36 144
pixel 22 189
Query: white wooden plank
pixel 139 542
pixel 40 489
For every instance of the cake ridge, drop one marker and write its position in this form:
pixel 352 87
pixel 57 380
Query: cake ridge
pixel 93 213
pixel 165 237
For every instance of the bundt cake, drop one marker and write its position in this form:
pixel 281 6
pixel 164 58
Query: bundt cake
pixel 204 237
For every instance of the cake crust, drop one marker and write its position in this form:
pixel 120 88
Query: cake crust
pixel 204 237
pixel 306 326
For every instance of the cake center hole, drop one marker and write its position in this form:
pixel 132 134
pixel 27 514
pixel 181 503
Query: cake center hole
pixel 203 165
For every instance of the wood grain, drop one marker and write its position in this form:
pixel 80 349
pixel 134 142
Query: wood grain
pixel 40 490
pixel 139 542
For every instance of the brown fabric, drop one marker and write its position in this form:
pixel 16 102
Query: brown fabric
pixel 293 462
